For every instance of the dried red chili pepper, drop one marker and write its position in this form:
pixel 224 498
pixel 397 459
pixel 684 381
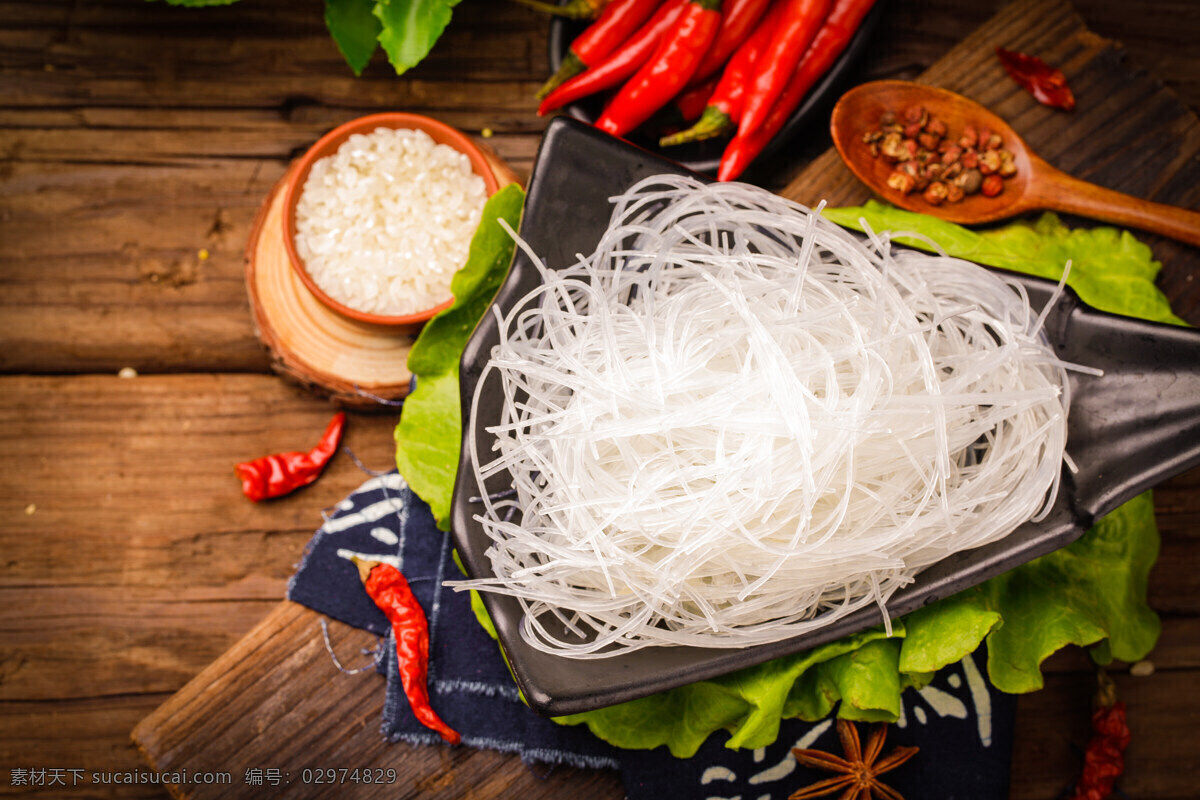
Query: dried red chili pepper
pixel 834 36
pixel 1047 84
pixel 801 21
pixel 724 107
pixel 620 64
pixel 389 589
pixel 1104 761
pixel 668 70
pixel 283 473
pixel 616 23
pixel 739 18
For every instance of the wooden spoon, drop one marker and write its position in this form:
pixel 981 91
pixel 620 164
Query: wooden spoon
pixel 1036 185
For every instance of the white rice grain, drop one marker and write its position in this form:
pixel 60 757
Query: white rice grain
pixel 384 223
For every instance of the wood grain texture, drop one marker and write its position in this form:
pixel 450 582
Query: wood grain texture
pixel 137 138
pixel 282 659
pixel 89 735
pixel 116 581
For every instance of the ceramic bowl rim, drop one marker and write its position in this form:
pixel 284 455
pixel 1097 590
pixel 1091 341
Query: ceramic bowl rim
pixel 327 145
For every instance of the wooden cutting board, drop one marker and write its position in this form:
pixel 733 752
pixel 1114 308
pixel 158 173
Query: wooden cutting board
pixel 275 705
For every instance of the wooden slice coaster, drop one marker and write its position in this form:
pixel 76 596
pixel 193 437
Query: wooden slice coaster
pixel 356 364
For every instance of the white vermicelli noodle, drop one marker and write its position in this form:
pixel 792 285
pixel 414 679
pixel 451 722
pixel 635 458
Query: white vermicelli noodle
pixel 734 423
pixel 384 223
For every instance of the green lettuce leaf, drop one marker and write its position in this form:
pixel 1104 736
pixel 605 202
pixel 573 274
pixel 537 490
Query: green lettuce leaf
pixel 1097 586
pixel 429 434
pixel 355 30
pixel 751 702
pixel 411 28
pixel 939 634
pixel 1110 269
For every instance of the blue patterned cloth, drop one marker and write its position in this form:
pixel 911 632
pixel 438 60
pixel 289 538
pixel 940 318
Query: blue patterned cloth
pixel 963 725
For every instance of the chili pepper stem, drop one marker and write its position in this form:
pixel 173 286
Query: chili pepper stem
pixel 570 67
pixel 1106 692
pixel 576 9
pixel 364 567
pixel 713 122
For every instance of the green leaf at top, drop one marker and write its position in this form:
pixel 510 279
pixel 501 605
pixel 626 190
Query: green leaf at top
pixel 429 435
pixel 411 28
pixel 355 29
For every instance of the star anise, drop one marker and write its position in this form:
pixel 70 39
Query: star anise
pixel 859 771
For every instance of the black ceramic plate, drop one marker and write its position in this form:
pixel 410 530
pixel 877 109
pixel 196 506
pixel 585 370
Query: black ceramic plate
pixel 1137 425
pixel 706 156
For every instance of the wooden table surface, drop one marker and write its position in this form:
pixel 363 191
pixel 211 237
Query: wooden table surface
pixel 137 142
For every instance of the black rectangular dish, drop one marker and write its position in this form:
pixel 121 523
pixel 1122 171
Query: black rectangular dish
pixel 1128 430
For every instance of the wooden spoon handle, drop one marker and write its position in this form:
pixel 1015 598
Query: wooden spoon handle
pixel 1062 192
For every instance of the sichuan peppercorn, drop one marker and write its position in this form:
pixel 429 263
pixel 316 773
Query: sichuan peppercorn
pixel 943 167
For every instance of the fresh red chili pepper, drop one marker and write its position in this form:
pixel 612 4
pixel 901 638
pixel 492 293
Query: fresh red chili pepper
pixel 387 586
pixel 617 23
pixel 776 66
pixel 575 9
pixel 1047 84
pixel 668 70
pixel 283 473
pixel 724 106
pixel 1104 760
pixel 844 19
pixel 620 64
pixel 690 103
pixel 738 20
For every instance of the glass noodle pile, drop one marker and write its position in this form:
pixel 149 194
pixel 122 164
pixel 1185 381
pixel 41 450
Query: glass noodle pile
pixel 735 422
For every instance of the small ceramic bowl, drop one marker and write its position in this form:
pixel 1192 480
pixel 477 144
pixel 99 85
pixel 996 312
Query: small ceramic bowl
pixel 327 145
